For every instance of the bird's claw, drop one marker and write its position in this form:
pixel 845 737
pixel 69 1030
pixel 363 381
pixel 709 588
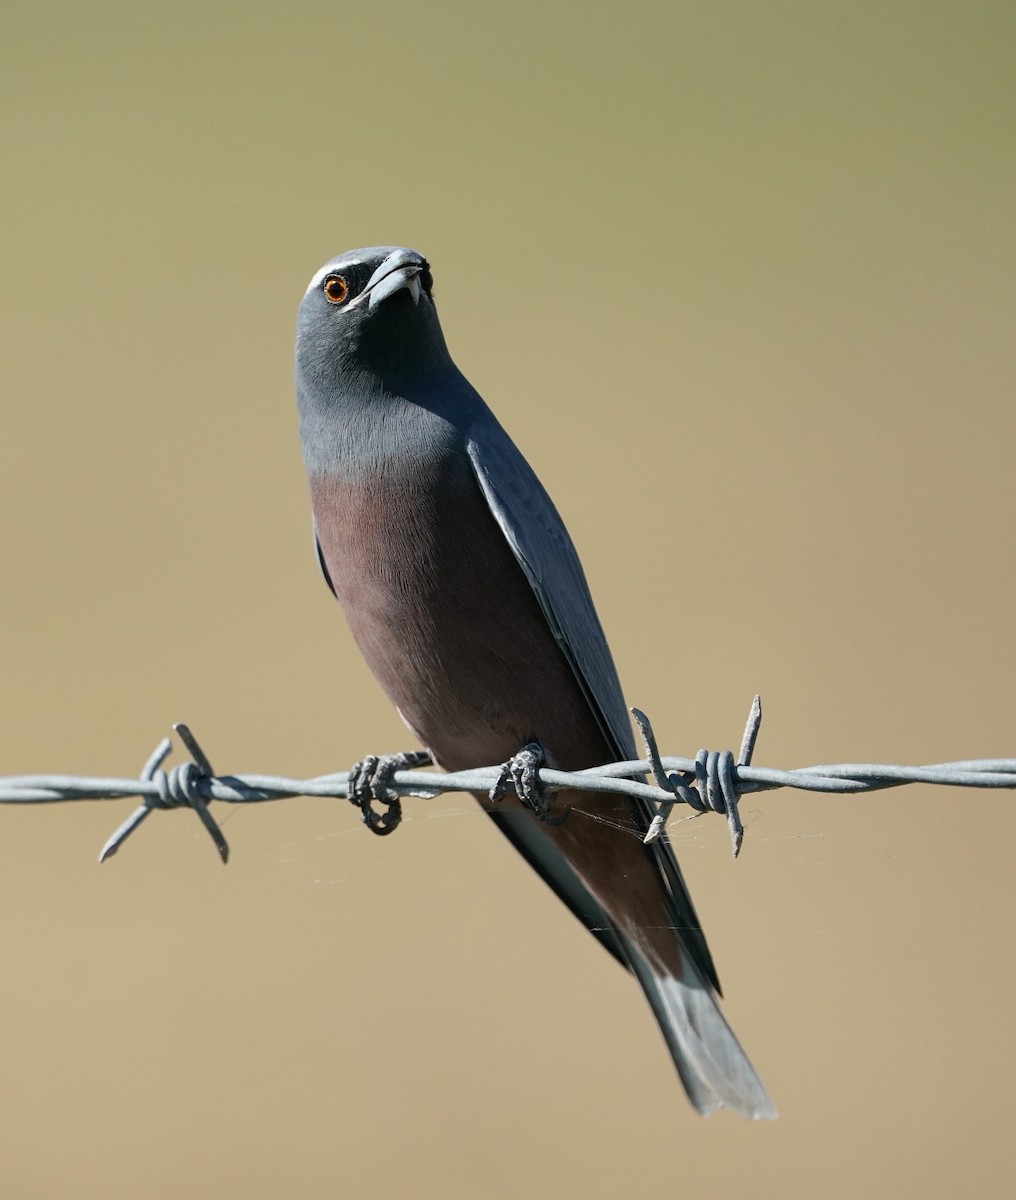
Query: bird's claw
pixel 522 772
pixel 370 783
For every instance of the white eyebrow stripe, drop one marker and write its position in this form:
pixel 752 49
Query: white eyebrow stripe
pixel 319 276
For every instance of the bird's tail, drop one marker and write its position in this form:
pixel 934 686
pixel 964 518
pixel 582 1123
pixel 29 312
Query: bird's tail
pixel 714 1069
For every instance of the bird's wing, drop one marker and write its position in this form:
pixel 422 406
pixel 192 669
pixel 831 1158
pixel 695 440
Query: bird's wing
pixel 322 565
pixel 541 544
pixel 544 550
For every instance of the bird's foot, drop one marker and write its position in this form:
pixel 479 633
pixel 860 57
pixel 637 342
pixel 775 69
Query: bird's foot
pixel 370 783
pixel 522 771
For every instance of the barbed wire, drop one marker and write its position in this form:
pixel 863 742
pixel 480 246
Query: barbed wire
pixel 711 782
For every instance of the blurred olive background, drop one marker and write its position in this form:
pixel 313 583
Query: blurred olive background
pixel 739 280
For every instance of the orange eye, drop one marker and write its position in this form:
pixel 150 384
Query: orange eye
pixel 336 289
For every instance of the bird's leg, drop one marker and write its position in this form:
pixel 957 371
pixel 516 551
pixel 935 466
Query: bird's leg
pixel 522 771
pixel 370 781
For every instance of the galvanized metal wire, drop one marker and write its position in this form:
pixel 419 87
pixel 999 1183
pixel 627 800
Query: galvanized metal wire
pixel 712 781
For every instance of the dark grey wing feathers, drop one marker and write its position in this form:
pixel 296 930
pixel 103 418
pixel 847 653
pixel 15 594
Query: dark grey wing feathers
pixel 547 863
pixel 322 565
pixel 544 550
pixel 541 544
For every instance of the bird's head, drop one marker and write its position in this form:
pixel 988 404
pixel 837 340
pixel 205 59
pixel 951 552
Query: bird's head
pixel 369 314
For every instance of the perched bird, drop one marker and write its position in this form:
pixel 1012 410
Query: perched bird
pixel 467 600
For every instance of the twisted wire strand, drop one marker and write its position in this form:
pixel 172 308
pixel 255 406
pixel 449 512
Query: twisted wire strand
pixel 713 781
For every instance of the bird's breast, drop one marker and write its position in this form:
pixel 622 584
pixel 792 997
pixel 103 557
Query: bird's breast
pixel 444 615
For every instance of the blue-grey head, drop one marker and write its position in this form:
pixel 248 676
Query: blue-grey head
pixel 368 318
pixel 373 374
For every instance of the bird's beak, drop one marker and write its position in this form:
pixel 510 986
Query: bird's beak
pixel 399 270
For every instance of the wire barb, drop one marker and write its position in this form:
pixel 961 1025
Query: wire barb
pixel 713 784
pixel 179 789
